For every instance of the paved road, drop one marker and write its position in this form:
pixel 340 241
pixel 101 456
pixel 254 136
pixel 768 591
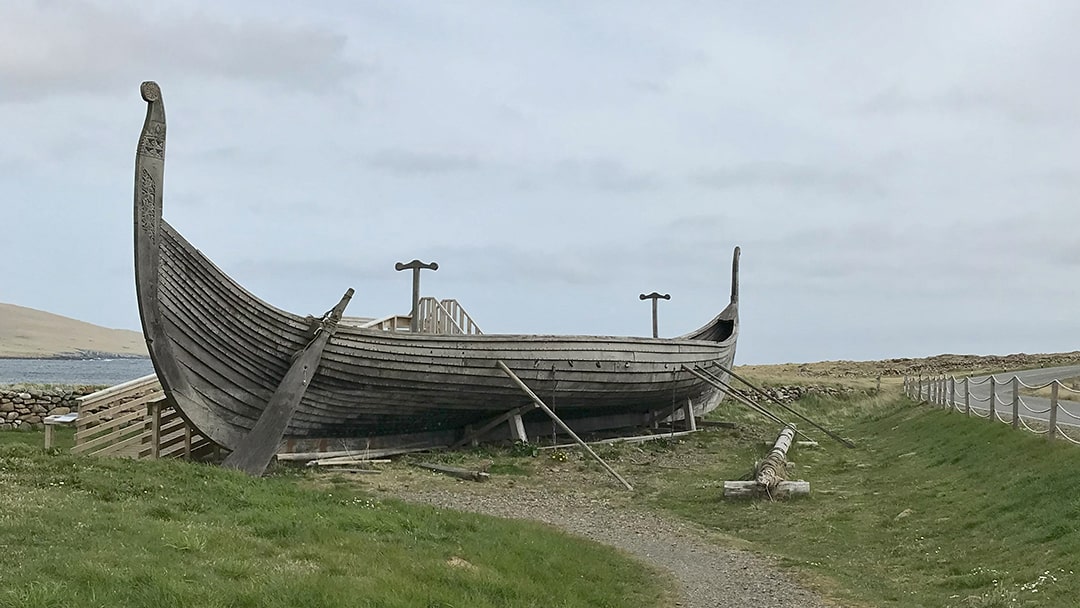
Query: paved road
pixel 980 391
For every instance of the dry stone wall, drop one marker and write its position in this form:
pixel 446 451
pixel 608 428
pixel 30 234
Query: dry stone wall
pixel 26 409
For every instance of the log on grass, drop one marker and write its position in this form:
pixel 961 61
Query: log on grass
pixel 770 471
pixel 752 489
pixel 453 471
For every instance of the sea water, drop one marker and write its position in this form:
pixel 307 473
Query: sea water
pixel 73 371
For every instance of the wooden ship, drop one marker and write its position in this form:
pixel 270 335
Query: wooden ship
pixel 256 379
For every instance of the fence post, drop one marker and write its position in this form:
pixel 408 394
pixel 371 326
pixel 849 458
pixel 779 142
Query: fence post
pixel 967 396
pixel 1052 431
pixel 952 393
pixel 155 429
pixel 993 397
pixel 1016 402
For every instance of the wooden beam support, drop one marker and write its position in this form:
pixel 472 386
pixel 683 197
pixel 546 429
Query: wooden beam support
pixel 254 452
pixel 688 415
pixel 558 421
pixel 494 422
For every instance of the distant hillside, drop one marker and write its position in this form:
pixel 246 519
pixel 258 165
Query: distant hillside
pixel 29 333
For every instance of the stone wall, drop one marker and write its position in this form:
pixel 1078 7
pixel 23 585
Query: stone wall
pixel 26 408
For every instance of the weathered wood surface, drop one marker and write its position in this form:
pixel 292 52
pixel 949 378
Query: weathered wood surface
pixel 416 266
pixel 253 453
pixel 752 489
pixel 654 296
pixel 316 458
pixel 457 472
pixel 768 474
pixel 770 470
pixel 221 353
pixel 633 439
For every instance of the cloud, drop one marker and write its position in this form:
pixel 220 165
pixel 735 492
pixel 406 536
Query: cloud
pixel 787 176
pixel 602 174
pixel 49 49
pixel 408 163
pixel 962 102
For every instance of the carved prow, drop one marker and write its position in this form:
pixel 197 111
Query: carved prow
pixel 735 275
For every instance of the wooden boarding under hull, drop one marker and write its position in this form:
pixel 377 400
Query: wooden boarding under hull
pixel 221 353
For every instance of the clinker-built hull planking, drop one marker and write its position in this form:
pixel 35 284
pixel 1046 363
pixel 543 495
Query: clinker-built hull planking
pixel 221 353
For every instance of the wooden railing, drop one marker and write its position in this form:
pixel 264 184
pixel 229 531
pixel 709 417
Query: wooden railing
pixel 136 420
pixel 436 317
pixel 445 317
pixel 389 323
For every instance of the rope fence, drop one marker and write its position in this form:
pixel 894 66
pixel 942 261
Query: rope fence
pixel 1002 402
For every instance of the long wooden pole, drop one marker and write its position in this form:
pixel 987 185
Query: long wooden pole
pixel 547 410
pixel 786 408
pixel 705 375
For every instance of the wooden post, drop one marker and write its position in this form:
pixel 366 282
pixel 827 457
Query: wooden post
pixel 517 429
pixel 688 416
pixel 952 393
pixel 1052 431
pixel 560 423
pixel 1016 402
pixel 993 397
pixel 416 266
pixel 48 436
pixel 967 396
pixel 155 429
pixel 654 296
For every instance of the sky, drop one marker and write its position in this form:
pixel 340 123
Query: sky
pixel 900 176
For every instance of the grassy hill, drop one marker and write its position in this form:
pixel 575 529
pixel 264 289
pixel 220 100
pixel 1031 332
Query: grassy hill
pixel 29 333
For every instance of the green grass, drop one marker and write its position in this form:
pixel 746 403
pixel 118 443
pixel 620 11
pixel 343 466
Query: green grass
pixel 992 514
pixel 107 532
pixel 63 438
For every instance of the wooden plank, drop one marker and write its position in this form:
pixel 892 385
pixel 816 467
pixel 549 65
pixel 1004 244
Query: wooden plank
pixel 120 391
pixel 131 406
pixel 120 448
pixel 114 436
pixel 457 472
pixel 752 489
pixel 106 427
pixel 330 458
pixel 633 439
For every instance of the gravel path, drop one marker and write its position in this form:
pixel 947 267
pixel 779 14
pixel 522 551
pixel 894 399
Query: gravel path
pixel 710 576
